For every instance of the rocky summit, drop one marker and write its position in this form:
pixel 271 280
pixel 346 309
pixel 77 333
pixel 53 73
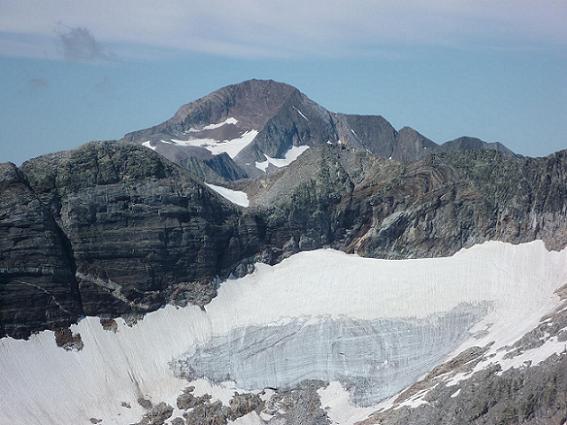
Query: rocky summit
pixel 257 257
pixel 260 124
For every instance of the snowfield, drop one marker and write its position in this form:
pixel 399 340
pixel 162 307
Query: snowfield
pixel 235 196
pixel 232 147
pixel 490 292
pixel 291 155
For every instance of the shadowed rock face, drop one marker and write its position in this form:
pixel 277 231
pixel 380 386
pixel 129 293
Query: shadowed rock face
pixel 107 229
pixel 412 146
pixel 37 283
pixel 114 228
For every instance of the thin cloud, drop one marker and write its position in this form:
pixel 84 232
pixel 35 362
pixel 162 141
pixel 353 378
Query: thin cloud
pixel 283 29
pixel 79 44
pixel 37 84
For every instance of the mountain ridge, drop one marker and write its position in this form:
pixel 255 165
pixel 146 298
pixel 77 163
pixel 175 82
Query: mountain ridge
pixel 95 239
pixel 129 225
pixel 281 116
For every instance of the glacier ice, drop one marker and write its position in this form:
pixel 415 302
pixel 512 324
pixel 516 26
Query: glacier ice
pixel 373 358
pixel 327 302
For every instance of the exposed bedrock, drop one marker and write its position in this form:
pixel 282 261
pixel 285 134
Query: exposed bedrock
pixel 529 396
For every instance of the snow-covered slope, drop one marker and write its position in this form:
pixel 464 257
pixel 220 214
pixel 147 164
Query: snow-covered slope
pixel 215 146
pixel 386 321
pixel 291 155
pixel 235 196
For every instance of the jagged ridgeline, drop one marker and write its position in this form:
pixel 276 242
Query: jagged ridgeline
pixel 239 216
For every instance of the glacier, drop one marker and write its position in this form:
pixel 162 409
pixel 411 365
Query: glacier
pixel 373 358
pixel 368 327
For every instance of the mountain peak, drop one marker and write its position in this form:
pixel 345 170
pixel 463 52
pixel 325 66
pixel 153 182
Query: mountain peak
pixel 260 125
pixel 474 143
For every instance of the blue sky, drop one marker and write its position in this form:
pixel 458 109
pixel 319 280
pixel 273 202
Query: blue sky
pixel 92 71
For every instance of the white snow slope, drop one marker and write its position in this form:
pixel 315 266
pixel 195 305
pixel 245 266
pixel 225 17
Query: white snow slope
pixel 291 155
pixel 43 384
pixel 232 146
pixel 235 196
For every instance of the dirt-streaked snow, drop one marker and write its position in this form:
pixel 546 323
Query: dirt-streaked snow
pixel 235 196
pixel 43 384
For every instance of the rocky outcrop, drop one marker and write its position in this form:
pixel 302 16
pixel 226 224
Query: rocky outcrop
pixel 301 405
pixel 157 415
pixel 358 203
pixel 202 164
pixel 412 146
pixel 106 230
pixel 447 202
pixel 251 102
pixel 38 288
pixel 529 394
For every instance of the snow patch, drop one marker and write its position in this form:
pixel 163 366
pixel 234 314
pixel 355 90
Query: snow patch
pixel 531 357
pixel 229 120
pixel 232 147
pixel 148 144
pixel 222 392
pixel 301 113
pixel 336 401
pixel 248 419
pixel 235 196
pixel 291 155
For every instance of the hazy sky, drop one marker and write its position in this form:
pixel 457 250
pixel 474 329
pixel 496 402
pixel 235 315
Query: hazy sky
pixel 74 71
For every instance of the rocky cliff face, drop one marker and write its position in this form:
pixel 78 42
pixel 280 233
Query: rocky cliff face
pixel 106 230
pixel 38 288
pixel 113 228
pixel 359 203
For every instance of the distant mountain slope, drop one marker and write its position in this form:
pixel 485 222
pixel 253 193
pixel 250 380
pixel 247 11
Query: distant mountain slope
pixel 257 124
pixel 472 143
